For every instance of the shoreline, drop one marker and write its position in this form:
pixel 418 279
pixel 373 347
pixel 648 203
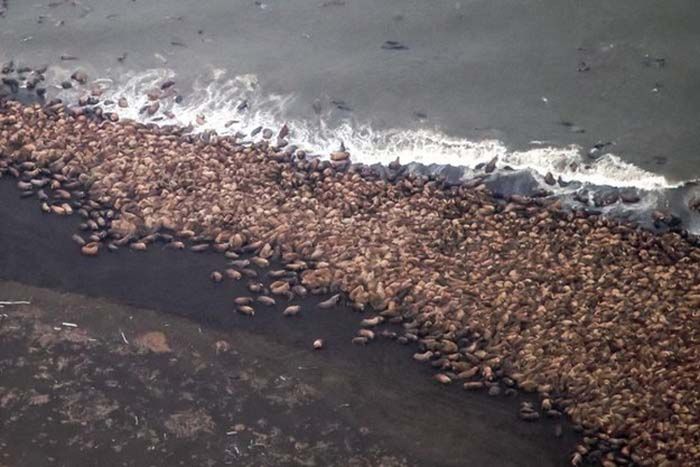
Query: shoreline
pixel 638 204
pixel 434 323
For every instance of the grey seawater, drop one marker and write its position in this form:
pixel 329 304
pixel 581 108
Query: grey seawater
pixel 560 72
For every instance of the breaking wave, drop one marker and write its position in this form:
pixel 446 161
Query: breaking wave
pixel 238 104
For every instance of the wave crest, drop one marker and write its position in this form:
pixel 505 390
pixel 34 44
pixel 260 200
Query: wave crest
pixel 238 104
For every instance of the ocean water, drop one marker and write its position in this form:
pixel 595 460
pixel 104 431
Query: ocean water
pixel 535 83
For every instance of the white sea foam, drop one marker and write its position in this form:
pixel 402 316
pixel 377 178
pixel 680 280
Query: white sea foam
pixel 218 98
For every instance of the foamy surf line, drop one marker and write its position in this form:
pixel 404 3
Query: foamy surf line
pixel 230 105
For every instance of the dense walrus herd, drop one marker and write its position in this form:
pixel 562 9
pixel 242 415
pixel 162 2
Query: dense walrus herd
pixel 600 318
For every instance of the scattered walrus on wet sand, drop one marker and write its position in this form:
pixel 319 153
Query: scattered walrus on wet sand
pixel 598 317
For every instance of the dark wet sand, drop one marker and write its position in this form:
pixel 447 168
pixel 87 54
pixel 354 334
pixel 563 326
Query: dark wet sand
pixel 395 397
